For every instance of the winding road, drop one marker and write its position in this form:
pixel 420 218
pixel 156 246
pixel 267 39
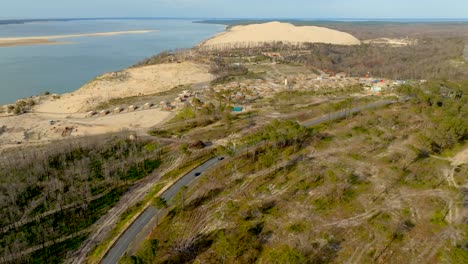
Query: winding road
pixel 136 228
pixel 346 113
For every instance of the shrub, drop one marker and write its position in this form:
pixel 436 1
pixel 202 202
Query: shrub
pixel 284 254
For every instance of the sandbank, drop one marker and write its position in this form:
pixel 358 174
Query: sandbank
pixel 48 40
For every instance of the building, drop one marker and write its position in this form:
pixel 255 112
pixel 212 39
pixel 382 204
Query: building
pixel 148 105
pixel 341 75
pixel 118 110
pixel 399 82
pixel 376 89
pixel 91 113
pixel 237 109
pixel 132 108
pixel 164 105
pixel 272 54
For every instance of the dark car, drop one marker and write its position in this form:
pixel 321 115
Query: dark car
pixel 197 174
pixel 220 158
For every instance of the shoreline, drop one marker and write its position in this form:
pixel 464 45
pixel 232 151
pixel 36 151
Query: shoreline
pixel 48 40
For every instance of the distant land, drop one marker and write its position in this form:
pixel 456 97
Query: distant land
pixel 306 22
pixel 36 20
pixel 239 21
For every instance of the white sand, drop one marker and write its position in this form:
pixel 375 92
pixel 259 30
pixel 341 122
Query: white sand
pixel 18 41
pixel 391 42
pixel 35 40
pixel 35 128
pixel 140 81
pixel 70 109
pixel 276 31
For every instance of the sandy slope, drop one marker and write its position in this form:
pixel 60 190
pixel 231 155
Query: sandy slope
pixel 69 110
pixel 35 128
pixel 130 82
pixel 276 31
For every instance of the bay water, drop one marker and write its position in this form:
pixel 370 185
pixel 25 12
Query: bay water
pixel 31 70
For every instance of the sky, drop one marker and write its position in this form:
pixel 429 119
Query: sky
pixel 311 9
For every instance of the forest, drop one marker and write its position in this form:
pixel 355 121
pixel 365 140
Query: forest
pixel 52 194
pixel 374 186
pixel 369 188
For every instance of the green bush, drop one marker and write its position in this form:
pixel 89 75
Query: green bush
pixel 283 255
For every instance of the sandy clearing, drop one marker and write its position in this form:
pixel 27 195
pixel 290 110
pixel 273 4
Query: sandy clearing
pixel 41 40
pixel 391 42
pixel 460 158
pixel 277 31
pixel 131 82
pixel 35 128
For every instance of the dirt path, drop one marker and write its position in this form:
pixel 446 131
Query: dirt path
pixel 459 159
pixel 430 247
pixel 449 175
pixel 360 251
pixel 355 220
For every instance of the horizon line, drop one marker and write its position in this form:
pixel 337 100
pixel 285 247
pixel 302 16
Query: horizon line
pixel 238 18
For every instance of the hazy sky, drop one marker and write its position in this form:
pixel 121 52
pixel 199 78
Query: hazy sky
pixel 236 8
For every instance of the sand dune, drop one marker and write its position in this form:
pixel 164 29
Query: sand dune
pixel 35 40
pixel 69 110
pixel 33 128
pixel 130 82
pixel 276 31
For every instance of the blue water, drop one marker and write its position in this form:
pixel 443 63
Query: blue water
pixel 31 70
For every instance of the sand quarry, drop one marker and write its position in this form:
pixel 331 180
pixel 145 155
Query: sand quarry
pixel 277 31
pixel 69 111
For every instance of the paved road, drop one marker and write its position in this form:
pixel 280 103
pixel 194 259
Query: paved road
pixel 123 243
pixel 345 113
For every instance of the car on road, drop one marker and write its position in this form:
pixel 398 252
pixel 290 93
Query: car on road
pixel 197 174
pixel 221 158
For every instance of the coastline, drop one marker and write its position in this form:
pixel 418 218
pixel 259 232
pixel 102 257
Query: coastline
pixel 49 40
pixel 59 116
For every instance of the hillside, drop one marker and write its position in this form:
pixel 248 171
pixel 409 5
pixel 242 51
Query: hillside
pixel 373 188
pixel 130 82
pixel 322 154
